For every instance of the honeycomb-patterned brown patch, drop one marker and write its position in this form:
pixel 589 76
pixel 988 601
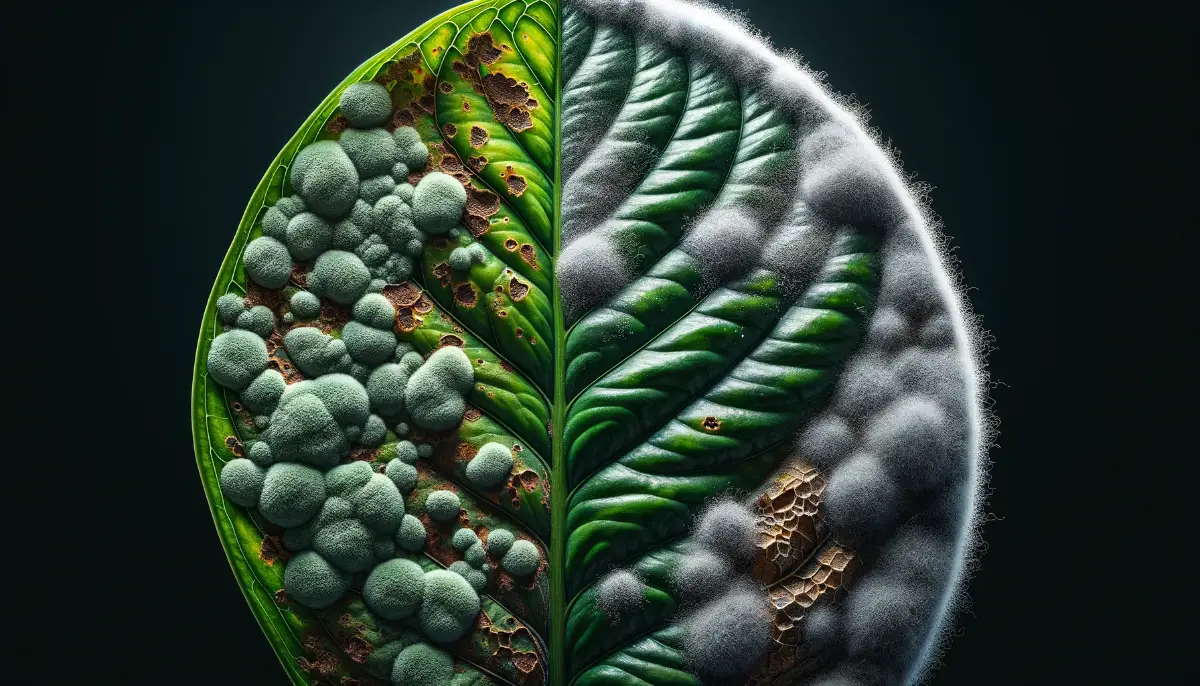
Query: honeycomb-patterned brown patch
pixel 821 580
pixel 790 526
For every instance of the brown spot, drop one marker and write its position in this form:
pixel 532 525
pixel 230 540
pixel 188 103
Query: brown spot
pixel 466 105
pixel 711 424
pixel 532 340
pixel 443 272
pixel 508 99
pixel 271 550
pixel 499 289
pixel 516 184
pixel 516 447
pixel 517 289
pixel 446 87
pixel 477 163
pixel 510 245
pixel 528 479
pixel 481 205
pixel 231 442
pixel 472 414
pixel 281 597
pixel 530 256
pixel 481 47
pixel 427 102
pixel 425 306
pixel 324 662
pixel 531 103
pixel 405 321
pixel 466 295
pixel 337 124
pixel 402 295
pixel 479 136
pixel 519 119
pixel 451 339
pixel 403 117
pixel 506 366
pixel 357 649
pixel 520 332
pixel 450 130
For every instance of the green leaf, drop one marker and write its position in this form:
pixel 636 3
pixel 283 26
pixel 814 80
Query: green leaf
pixel 622 419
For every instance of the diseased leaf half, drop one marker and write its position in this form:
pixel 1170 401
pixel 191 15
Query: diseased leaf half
pixel 540 347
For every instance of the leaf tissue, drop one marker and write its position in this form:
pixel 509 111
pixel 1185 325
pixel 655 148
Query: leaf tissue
pixel 590 342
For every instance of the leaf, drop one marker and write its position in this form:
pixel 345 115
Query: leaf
pixel 710 329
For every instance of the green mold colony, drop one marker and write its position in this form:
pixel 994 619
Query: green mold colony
pixel 356 221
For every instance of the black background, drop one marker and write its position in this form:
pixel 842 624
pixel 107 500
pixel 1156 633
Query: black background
pixel 1057 139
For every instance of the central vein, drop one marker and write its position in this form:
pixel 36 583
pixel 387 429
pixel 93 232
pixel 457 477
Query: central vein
pixel 558 472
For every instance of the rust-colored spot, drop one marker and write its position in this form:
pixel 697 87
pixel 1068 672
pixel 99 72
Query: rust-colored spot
pixel 529 255
pixel 357 649
pixel 479 136
pixel 403 117
pixel 517 289
pixel 472 414
pixel 466 105
pixel 231 442
pixel 402 295
pixel 519 119
pixel 271 550
pixel 446 87
pixel 528 479
pixel 465 295
pixel 711 424
pixel 337 124
pixel 506 366
pixel 482 202
pixel 532 340
pixel 405 321
pixel 508 99
pixel 450 130
pixel 510 245
pixel 481 205
pixel 516 184
pixel 483 49
pixel 477 163
pixel 443 273
pixel 531 103
pixel 323 663
pixel 516 447
pixel 451 339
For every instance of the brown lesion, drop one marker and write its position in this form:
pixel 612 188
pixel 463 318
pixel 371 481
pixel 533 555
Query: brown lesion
pixel 504 643
pixel 509 99
pixel 482 204
pixel 801 566
pixel 479 136
pixel 711 424
pixel 822 580
pixel 517 289
pixel 465 295
pixel 789 521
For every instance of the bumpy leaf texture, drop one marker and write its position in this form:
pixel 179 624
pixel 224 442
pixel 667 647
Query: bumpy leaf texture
pixel 589 343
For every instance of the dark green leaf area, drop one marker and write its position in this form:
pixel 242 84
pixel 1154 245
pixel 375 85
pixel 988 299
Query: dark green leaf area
pixel 636 397
pixel 730 436
pixel 657 659
pixel 605 335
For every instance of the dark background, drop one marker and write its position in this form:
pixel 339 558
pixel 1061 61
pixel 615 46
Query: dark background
pixel 1058 142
